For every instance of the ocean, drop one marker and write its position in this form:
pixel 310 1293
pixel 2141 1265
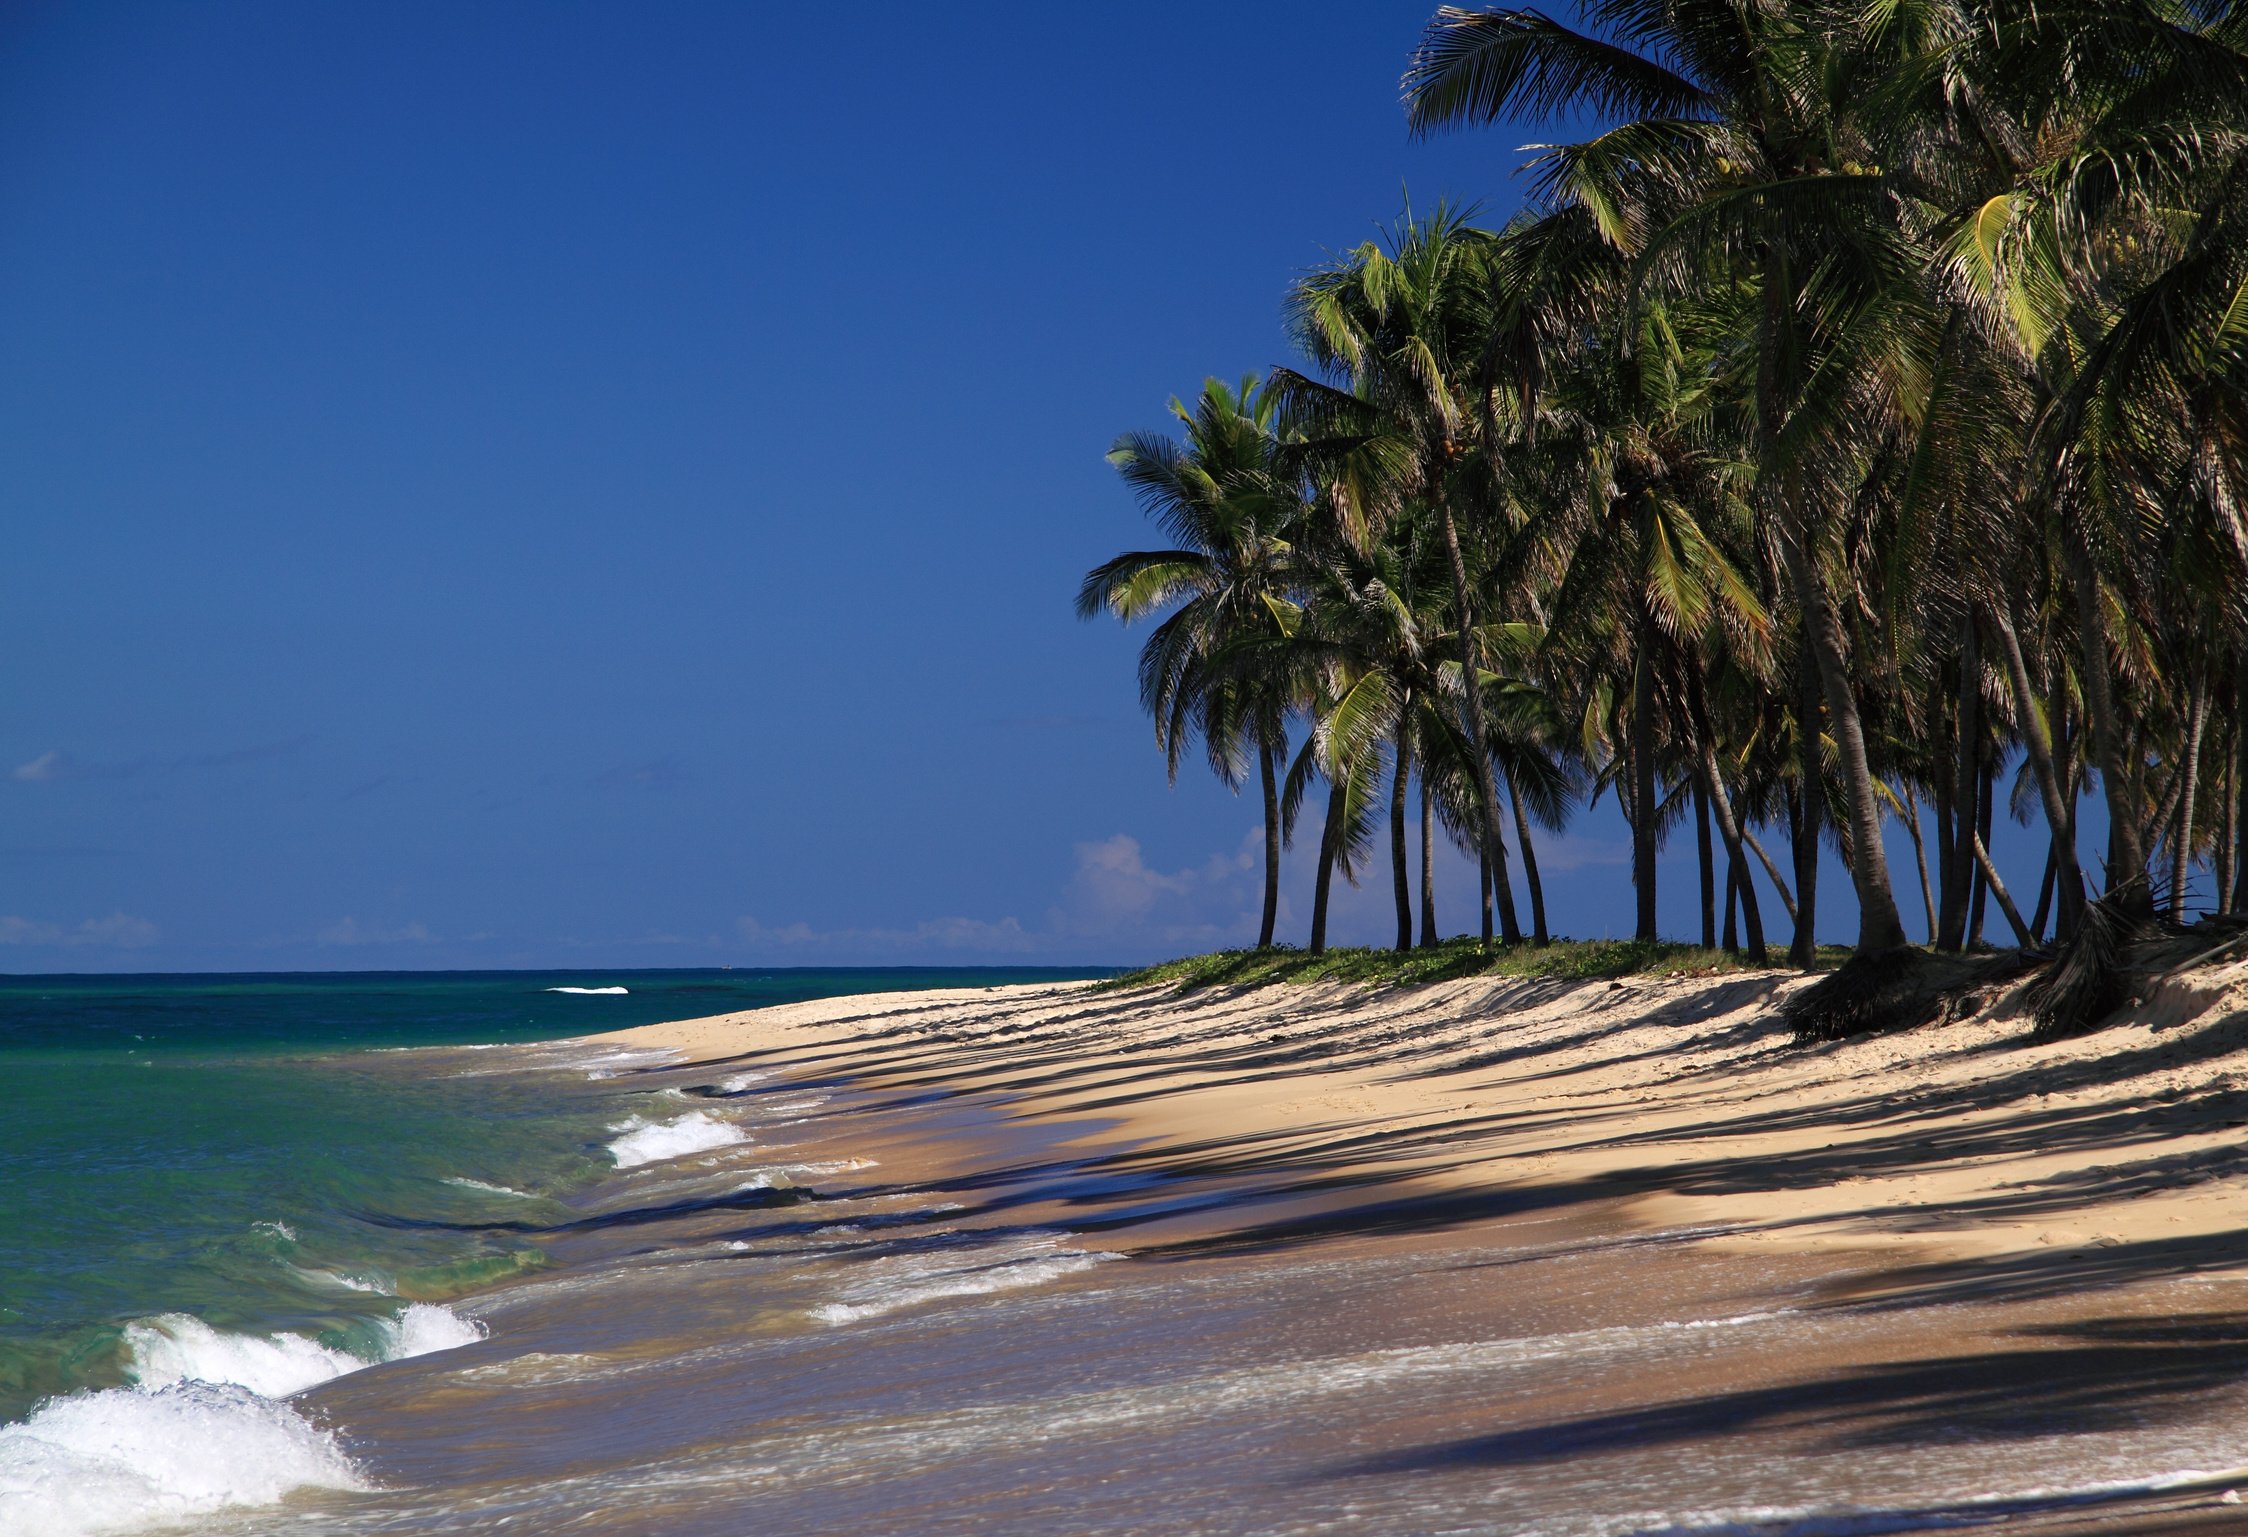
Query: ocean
pixel 231 1188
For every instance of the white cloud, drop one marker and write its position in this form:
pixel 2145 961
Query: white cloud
pixel 1113 904
pixel 48 765
pixel 118 931
pixel 350 931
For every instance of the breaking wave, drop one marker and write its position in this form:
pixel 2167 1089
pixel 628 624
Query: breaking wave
pixel 647 1141
pixel 201 1430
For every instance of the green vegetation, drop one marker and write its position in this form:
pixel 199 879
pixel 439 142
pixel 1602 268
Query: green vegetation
pixel 1852 432
pixel 1574 960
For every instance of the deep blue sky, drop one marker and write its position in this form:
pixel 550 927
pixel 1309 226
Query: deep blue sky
pixel 597 485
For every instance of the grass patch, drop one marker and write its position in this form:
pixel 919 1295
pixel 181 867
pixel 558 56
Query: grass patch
pixel 1576 960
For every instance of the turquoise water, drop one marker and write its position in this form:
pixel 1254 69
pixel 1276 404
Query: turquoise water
pixel 260 1153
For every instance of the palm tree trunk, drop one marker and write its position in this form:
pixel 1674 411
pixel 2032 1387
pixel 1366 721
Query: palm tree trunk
pixel 1880 930
pixel 1997 888
pixel 1959 870
pixel 1329 836
pixel 2127 865
pixel 1643 776
pixel 1429 932
pixel 1266 770
pixel 2045 885
pixel 1401 876
pixel 1713 789
pixel 2181 853
pixel 1538 935
pixel 2240 783
pixel 1983 779
pixel 1920 858
pixel 2222 856
pixel 1707 873
pixel 1732 939
pixel 1803 911
pixel 1471 716
pixel 2037 742
pixel 1787 898
pixel 1483 865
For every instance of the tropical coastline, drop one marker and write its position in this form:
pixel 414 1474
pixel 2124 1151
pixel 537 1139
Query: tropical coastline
pixel 1812 504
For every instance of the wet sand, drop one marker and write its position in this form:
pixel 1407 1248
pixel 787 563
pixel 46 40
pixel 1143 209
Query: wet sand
pixel 1580 1260
pixel 2052 1232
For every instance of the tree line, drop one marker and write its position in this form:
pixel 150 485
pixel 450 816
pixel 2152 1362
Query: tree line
pixel 1848 432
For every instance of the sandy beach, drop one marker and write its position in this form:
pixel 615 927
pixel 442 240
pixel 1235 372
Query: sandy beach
pixel 1671 1102
pixel 2002 1244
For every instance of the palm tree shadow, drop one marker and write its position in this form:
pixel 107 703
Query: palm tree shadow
pixel 2111 1374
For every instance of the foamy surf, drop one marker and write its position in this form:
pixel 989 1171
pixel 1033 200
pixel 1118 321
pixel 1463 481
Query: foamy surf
pixel 201 1430
pixel 119 1459
pixel 592 992
pixel 178 1347
pixel 907 1280
pixel 645 1141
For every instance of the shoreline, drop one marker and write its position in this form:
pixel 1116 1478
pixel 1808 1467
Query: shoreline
pixel 1941 1155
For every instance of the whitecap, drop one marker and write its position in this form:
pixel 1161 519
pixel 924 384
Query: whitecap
pixel 106 1461
pixel 173 1348
pixel 179 1347
pixel 591 992
pixel 654 1141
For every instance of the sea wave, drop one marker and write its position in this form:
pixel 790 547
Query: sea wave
pixel 202 1429
pixel 905 1280
pixel 591 991
pixel 645 1141
pixel 178 1347
pixel 466 1183
pixel 124 1458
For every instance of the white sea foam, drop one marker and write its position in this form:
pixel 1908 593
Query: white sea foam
pixel 741 1081
pixel 122 1458
pixel 645 1141
pixel 904 1280
pixel 370 1281
pixel 178 1347
pixel 477 1184
pixel 591 991
pixel 425 1328
pixel 201 1430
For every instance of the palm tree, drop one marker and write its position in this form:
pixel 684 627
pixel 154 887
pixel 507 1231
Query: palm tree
pixel 1404 322
pixel 1229 509
pixel 1736 136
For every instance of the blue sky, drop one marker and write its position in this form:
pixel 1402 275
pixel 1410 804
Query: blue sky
pixel 593 485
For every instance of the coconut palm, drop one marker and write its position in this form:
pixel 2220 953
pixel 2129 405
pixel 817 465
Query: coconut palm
pixel 1229 510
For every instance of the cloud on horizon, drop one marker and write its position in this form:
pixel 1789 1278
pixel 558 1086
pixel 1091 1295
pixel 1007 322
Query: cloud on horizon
pixel 350 931
pixel 56 765
pixel 118 931
pixel 1112 904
